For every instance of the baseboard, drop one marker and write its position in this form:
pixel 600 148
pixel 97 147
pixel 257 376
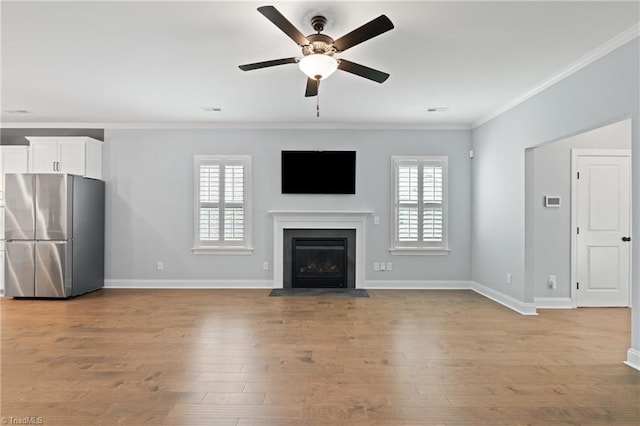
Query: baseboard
pixel 417 285
pixel 553 302
pixel 507 301
pixel 633 358
pixel 190 284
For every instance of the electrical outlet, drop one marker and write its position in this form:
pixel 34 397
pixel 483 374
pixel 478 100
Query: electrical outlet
pixel 160 266
pixel 376 220
pixel 552 282
pixel 265 266
pixel 389 266
pixel 509 279
pixel 376 266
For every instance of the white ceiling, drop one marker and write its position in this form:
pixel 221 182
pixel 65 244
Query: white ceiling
pixel 158 63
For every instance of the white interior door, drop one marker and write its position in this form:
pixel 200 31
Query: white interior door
pixel 603 204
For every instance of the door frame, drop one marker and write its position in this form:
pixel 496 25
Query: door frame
pixel 575 154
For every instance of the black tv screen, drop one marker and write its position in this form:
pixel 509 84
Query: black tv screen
pixel 318 172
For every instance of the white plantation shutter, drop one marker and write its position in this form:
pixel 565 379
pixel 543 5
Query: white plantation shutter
pixel 209 202
pixel 209 224
pixel 222 187
pixel 432 202
pixel 234 203
pixel 408 202
pixel 419 202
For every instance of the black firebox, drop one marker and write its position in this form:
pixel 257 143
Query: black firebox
pixel 319 258
pixel 319 263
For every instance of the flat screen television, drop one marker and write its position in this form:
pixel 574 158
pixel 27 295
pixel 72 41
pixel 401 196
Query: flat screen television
pixel 318 172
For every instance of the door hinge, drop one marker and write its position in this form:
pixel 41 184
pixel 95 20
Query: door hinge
pixel 578 175
pixel 578 286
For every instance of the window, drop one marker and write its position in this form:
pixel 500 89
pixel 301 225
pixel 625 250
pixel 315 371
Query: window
pixel 222 214
pixel 419 205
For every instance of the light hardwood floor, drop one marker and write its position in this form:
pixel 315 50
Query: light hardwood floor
pixel 239 357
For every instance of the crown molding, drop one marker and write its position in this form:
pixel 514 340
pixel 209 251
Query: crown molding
pixel 604 49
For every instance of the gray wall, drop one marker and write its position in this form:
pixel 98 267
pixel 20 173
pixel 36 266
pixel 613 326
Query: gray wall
pixel 601 93
pixel 149 176
pixel 17 136
pixel 550 229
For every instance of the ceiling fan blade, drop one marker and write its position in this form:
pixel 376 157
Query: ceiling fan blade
pixel 265 64
pixel 312 87
pixel 272 14
pixel 362 71
pixel 371 29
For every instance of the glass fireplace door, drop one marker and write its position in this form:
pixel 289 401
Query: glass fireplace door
pixel 319 262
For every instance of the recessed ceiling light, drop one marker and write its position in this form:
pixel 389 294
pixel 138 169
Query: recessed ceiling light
pixel 17 111
pixel 211 109
pixel 437 109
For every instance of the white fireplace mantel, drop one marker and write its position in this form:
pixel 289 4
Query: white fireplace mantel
pixel 299 219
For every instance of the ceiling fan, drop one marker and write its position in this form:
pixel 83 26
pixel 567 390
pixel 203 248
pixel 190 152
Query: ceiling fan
pixel 318 49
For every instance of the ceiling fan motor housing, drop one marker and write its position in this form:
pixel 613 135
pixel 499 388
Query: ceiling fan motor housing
pixel 319 44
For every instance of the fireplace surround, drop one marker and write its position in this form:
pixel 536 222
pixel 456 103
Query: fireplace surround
pixel 296 219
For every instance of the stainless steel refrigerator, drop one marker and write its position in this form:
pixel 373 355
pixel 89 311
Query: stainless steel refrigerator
pixel 54 232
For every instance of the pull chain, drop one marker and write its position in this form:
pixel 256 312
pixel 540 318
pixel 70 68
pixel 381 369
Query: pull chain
pixel 318 101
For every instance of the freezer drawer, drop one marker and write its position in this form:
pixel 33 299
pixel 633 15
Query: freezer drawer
pixel 19 269
pixel 53 269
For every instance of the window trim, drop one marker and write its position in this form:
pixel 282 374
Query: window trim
pixel 243 247
pixel 419 248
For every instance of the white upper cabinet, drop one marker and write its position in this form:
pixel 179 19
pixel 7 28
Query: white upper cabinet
pixel 14 159
pixel 78 155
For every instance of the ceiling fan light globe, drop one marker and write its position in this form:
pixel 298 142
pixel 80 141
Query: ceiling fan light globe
pixel 318 66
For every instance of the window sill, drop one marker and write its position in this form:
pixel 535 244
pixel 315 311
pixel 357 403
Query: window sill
pixel 222 251
pixel 419 251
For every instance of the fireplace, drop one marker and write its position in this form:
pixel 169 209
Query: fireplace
pixel 319 262
pixel 319 258
pixel 290 220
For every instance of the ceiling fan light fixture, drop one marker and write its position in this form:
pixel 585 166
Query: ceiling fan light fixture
pixel 318 66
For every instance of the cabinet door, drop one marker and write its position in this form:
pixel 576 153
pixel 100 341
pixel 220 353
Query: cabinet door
pixel 71 157
pixel 44 157
pixel 15 159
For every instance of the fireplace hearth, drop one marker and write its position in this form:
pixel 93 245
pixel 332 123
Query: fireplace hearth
pixel 319 258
